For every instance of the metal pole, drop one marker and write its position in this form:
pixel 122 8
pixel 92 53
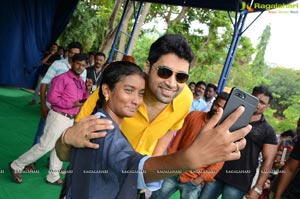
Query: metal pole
pixel 238 29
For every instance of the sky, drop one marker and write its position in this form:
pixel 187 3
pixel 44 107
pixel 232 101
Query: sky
pixel 284 45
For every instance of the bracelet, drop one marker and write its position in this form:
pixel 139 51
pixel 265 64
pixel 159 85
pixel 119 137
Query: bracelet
pixel 63 136
pixel 257 190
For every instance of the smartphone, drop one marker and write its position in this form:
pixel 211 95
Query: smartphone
pixel 237 98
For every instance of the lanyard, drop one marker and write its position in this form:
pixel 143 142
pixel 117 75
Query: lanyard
pixel 97 76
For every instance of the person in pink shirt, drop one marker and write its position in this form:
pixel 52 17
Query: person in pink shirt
pixel 66 95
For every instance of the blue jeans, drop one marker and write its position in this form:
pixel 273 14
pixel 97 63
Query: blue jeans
pixel 39 131
pixel 37 88
pixel 212 190
pixel 170 185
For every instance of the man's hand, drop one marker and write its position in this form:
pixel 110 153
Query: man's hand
pixel 78 103
pixel 198 181
pixel 44 111
pixel 80 134
pixel 252 194
pixel 216 143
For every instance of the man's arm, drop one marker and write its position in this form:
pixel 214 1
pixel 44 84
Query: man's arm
pixel 44 108
pixel 268 152
pixel 46 58
pixel 212 145
pixel 289 170
pixel 163 143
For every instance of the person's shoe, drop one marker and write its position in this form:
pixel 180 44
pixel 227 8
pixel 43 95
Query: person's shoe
pixel 17 176
pixel 57 182
pixel 29 167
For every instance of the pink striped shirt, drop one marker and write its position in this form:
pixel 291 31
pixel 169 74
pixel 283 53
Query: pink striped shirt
pixel 66 89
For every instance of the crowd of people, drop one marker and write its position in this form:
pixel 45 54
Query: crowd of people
pixel 129 133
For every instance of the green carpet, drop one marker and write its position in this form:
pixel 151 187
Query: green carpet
pixel 18 124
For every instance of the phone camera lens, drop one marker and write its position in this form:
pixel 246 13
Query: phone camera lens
pixel 240 95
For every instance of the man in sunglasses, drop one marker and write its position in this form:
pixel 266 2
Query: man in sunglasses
pixel 167 101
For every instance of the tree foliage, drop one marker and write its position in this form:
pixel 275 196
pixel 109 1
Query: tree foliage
pixel 259 66
pixel 88 24
pixel 285 84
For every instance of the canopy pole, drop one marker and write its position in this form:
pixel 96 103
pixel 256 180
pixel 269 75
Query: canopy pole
pixel 238 29
pixel 113 48
pixel 130 35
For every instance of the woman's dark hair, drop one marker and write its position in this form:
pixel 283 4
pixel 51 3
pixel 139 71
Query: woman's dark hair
pixel 112 74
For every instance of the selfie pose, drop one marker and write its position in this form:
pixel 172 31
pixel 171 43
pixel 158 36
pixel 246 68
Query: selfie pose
pixel 167 101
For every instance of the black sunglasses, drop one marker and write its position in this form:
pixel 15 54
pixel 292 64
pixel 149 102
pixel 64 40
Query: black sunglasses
pixel 165 73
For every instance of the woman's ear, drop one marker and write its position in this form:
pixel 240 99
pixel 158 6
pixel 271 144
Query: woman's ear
pixel 105 90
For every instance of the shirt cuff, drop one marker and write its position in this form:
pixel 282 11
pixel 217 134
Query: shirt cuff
pixel 152 186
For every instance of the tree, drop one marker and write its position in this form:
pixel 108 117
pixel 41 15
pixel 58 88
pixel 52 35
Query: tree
pixel 88 24
pixel 259 67
pixel 285 84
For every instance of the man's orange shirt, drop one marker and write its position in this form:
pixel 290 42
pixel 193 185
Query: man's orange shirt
pixel 193 123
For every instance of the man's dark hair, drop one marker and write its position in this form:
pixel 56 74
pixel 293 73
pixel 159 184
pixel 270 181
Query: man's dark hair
pixel 170 43
pixel 75 44
pixel 100 54
pixel 223 95
pixel 288 133
pixel 192 83
pixel 200 83
pixel 263 90
pixel 213 86
pixel 80 57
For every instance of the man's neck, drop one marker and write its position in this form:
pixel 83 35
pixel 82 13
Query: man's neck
pixel 255 118
pixel 208 99
pixel 154 107
pixel 196 97
pixel 75 74
pixel 98 68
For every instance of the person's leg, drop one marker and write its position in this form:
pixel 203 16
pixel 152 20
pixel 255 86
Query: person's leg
pixel 39 131
pixel 51 134
pixel 169 187
pixel 36 140
pixel 211 190
pixel 54 167
pixel 189 190
pixel 36 90
pixel 230 192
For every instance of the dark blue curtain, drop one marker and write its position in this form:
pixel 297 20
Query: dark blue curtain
pixel 28 27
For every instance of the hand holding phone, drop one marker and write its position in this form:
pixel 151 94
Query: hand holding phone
pixel 237 98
